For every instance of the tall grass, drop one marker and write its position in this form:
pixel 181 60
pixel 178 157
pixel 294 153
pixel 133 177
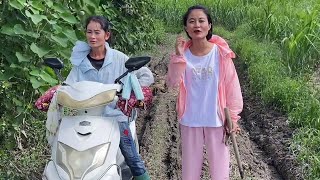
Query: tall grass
pixel 293 24
pixel 229 14
pixel 268 78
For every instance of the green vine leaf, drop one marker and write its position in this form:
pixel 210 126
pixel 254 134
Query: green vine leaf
pixel 17 4
pixel 69 18
pixel 93 3
pixel 7 29
pixel 36 18
pixel 39 51
pixel 59 8
pixel 14 66
pixel 23 2
pixel 5 76
pixel 44 76
pixel 71 35
pixel 35 72
pixel 47 78
pixel 63 41
pixel 52 22
pixel 21 58
pixel 38 5
pixel 57 28
pixel 49 3
pixel 17 102
pixel 18 29
pixel 35 83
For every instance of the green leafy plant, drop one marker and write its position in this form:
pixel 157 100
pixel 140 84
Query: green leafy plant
pixel 33 30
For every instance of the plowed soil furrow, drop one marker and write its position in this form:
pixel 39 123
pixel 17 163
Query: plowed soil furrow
pixel 159 141
pixel 270 129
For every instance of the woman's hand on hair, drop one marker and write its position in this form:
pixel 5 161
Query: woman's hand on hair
pixel 180 43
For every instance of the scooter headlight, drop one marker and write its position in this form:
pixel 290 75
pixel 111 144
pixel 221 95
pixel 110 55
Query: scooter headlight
pixel 78 163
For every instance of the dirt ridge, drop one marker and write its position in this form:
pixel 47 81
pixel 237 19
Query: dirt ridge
pixel 272 134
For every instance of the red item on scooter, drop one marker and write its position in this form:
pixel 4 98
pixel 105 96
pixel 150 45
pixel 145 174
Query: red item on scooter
pixel 43 102
pixel 126 106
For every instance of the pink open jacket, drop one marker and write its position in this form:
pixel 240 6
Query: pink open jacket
pixel 229 91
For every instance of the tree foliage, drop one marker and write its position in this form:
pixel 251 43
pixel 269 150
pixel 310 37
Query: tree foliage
pixel 31 30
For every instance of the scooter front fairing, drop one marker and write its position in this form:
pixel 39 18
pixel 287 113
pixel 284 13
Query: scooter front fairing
pixel 83 147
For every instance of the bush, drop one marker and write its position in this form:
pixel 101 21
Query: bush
pixel 33 30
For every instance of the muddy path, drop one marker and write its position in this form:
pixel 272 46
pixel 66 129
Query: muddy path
pixel 263 143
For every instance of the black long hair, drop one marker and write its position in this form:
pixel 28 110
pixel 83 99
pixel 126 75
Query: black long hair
pixel 206 11
pixel 105 25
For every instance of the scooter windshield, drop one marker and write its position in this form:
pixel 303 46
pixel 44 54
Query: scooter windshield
pixel 86 94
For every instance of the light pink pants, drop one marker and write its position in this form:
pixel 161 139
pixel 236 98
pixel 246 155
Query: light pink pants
pixel 193 140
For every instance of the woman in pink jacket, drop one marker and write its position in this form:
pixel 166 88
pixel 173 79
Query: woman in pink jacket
pixel 203 71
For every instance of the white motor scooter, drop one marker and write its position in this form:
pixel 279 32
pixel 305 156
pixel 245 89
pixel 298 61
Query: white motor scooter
pixel 86 144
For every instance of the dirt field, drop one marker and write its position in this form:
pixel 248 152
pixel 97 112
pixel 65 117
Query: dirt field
pixel 263 143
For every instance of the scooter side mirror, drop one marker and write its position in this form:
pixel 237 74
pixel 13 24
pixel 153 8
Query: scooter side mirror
pixel 135 63
pixel 54 63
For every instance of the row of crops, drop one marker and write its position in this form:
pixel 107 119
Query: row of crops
pixel 279 42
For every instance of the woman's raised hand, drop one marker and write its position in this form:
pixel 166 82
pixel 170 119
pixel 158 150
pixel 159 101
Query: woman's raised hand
pixel 180 42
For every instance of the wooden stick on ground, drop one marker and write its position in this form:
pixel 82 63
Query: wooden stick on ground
pixel 234 142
